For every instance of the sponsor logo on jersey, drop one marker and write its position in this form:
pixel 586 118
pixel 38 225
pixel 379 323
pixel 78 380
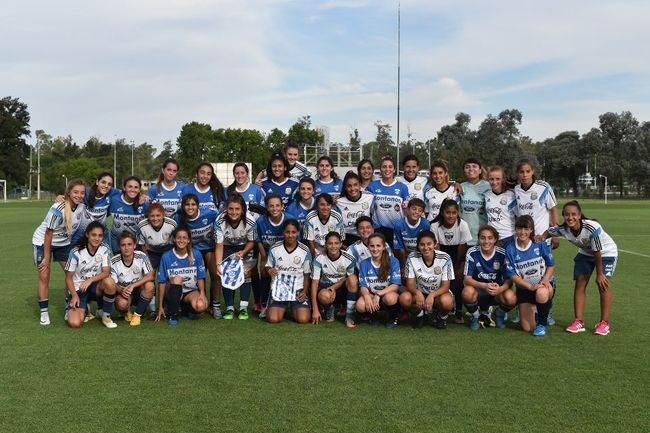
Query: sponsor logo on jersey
pixel 449 236
pixel 531 271
pixel 418 187
pixel 396 190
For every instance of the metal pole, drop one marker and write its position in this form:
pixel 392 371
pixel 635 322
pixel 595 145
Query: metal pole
pixel 115 161
pixel 38 168
pixel 132 149
pixel 31 170
pixel 399 5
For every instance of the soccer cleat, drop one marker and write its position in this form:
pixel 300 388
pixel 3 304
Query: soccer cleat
pixel 550 320
pixel 263 313
pixel 172 321
pixel 458 317
pixel 516 319
pixel 216 313
pixel 128 316
pixel 257 307
pixel 349 321
pixel 486 321
pixel 45 318
pixel 89 317
pixel 602 328
pixel 500 317
pixel 67 313
pixel 392 324
pixel 474 324
pixel 135 320
pixel 330 313
pixel 108 322
pixel 441 323
pixel 418 321
pixel 374 321
pixel 229 315
pixel 539 331
pixel 243 314
pixel 576 326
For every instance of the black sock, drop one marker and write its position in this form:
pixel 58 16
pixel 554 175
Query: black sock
pixel 173 297
pixel 142 305
pixel 542 312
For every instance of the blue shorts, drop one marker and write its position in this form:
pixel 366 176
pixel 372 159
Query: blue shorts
pixel 293 304
pixel 154 258
pixel 585 265
pixel 59 254
pixel 88 296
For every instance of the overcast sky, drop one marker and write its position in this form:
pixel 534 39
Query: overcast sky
pixel 140 69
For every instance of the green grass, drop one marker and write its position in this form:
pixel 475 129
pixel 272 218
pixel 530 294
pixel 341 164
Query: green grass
pixel 250 376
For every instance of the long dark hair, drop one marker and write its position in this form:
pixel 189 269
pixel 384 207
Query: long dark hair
pixel 216 187
pixel 333 173
pixel 136 200
pixel 277 157
pixel 93 189
pixel 448 202
pixel 161 176
pixel 577 205
pixel 236 198
pixel 188 249
pixel 384 266
pixel 82 243
pixel 182 214
pixel 232 188
pixel 350 175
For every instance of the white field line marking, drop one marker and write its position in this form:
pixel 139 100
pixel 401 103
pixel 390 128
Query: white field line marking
pixel 633 253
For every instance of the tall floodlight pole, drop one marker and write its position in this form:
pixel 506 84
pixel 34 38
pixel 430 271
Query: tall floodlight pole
pixel 38 167
pixel 115 160
pixel 132 149
pixel 399 5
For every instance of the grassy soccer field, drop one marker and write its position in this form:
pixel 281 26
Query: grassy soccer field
pixel 208 375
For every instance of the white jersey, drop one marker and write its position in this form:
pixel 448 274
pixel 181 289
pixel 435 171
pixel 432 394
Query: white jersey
pixel 360 251
pixel 226 234
pixel 124 274
pixel 433 198
pixel 457 234
pixel 536 201
pixel 500 210
pixel 315 230
pixel 416 186
pixel 54 221
pixel 156 240
pixel 84 265
pixel 329 271
pixel 351 210
pixel 292 267
pixel 591 238
pixel 428 278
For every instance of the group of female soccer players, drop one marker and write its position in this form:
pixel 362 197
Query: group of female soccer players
pixel 360 247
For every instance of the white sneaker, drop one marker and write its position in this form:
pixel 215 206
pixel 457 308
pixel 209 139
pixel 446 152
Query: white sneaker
pixel 108 322
pixel 263 313
pixel 45 318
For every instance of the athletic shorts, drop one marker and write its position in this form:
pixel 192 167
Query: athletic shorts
pixel 59 254
pixel 249 259
pixel 154 258
pixel 585 265
pixel 286 304
pixel 485 299
pixel 88 296
pixel 525 296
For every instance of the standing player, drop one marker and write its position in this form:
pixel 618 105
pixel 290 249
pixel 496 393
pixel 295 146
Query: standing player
pixel 235 233
pixel 353 203
pixel 333 271
pixel 320 222
pixel 304 203
pixel 51 240
pixel 328 181
pixel 596 250
pixel 181 278
pixel 297 170
pixel 207 188
pixel 413 181
pixel 438 189
pixel 289 264
pixel 500 205
pixel 97 201
pixel 407 230
pixel 85 272
pixel 530 266
pixel 472 199
pixel 168 191
pixel 132 278
pixel 428 276
pixel 390 199
pixel 379 281
pixel 485 281
pixel 453 236
pixel 279 181
pixel 366 173
pixel 126 210
pixel 253 195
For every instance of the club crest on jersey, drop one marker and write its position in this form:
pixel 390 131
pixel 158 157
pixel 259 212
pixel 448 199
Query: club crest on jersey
pixel 503 201
pixel 331 228
pixel 242 233
pixel 418 187
pixel 437 270
pixel 296 260
pixel 396 190
pixel 533 196
pixel 340 269
pixel 136 270
pixel 449 236
pixel 364 206
pixel 165 236
pixel 287 190
pixel 536 251
pixel 397 208
pixel 98 258
pixel 120 209
pixel 496 266
pixel 204 221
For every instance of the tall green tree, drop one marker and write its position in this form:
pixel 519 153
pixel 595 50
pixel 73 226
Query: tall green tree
pixel 14 150
pixel 195 144
pixel 455 143
pixel 620 132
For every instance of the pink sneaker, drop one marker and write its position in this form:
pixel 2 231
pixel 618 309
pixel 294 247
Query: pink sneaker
pixel 602 328
pixel 576 326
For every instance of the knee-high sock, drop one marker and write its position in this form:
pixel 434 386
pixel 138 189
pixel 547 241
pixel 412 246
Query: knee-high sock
pixel 173 296
pixel 108 304
pixel 244 295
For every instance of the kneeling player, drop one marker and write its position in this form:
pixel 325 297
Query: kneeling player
pixel 289 265
pixel 333 270
pixel 132 277
pixel 181 278
pixel 485 281
pixel 428 276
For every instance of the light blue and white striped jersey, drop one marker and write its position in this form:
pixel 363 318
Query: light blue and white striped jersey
pixel 156 240
pixel 591 238
pixel 174 265
pixel 472 206
pixel 433 198
pixel 537 200
pixel 316 230
pixel 486 269
pixel 351 210
pixel 329 271
pixel 225 233
pixel 84 265
pixel 54 221
pixel 360 251
pixel 170 199
pixel 415 187
pixel 124 274
pixel 389 202
pixel 369 275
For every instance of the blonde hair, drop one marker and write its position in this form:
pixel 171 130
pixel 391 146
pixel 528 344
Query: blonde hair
pixel 67 206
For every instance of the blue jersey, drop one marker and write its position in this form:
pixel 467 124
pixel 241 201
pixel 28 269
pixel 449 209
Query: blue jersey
pixel 125 217
pixel 170 199
pixel 252 195
pixel 406 235
pixel 97 212
pixel 334 187
pixel 529 263
pixel 206 198
pixel 472 206
pixel 286 189
pixel 172 265
pixel 298 212
pixel 269 233
pixel 369 275
pixel 202 229
pixel 486 269
pixel 388 203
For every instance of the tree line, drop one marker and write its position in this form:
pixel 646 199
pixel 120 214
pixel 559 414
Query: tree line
pixel 617 149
